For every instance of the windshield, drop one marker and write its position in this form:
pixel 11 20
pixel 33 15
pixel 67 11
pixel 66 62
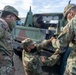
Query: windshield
pixel 50 19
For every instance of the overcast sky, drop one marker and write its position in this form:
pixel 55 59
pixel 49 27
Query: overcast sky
pixel 38 6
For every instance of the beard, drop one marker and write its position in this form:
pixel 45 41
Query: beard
pixel 33 50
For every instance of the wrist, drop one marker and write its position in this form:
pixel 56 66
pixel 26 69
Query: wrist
pixel 51 39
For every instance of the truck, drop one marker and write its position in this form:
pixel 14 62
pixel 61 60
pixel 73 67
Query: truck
pixel 39 27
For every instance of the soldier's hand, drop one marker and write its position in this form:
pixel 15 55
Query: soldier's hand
pixel 42 59
pixel 51 39
pixel 57 52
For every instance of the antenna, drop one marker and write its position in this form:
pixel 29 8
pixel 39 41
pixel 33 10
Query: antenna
pixel 69 1
pixel 30 8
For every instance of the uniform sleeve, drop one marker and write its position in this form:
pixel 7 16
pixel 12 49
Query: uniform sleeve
pixel 44 44
pixel 56 43
pixel 66 36
pixel 61 39
pixel 72 30
pixel 50 61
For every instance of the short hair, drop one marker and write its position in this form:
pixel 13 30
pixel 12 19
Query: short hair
pixel 6 13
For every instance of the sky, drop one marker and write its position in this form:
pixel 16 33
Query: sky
pixel 37 6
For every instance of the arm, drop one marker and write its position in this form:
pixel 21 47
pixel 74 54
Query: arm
pixel 68 33
pixel 63 41
pixel 50 61
pixel 57 44
pixel 72 31
pixel 44 44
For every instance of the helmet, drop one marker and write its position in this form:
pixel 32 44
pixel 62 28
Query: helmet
pixel 67 9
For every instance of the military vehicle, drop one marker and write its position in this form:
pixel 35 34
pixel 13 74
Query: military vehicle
pixel 39 27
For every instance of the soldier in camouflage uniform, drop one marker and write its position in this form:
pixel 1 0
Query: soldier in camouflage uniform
pixel 66 36
pixel 7 23
pixel 32 62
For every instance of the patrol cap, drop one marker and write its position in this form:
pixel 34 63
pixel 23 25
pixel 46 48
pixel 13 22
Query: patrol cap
pixel 67 9
pixel 27 42
pixel 12 10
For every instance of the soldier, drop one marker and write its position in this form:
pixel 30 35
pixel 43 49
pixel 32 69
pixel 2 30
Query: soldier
pixel 66 36
pixel 7 23
pixel 32 61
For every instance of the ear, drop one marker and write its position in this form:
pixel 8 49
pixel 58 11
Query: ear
pixel 72 14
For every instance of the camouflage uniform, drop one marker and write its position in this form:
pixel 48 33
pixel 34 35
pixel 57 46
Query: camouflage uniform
pixel 6 46
pixel 32 61
pixel 71 63
pixel 66 36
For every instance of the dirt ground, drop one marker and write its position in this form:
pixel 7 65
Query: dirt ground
pixel 18 65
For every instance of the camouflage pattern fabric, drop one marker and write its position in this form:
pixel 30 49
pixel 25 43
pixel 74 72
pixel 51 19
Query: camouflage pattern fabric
pixel 64 40
pixel 51 61
pixel 6 39
pixel 71 63
pixel 12 10
pixel 6 49
pixel 33 62
pixel 6 63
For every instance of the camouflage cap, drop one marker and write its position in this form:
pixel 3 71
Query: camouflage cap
pixel 12 10
pixel 27 42
pixel 67 9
